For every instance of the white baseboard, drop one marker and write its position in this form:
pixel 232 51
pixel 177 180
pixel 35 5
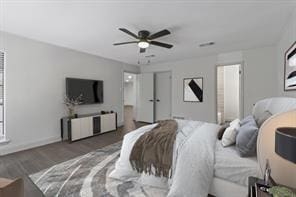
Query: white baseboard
pixel 119 124
pixel 10 148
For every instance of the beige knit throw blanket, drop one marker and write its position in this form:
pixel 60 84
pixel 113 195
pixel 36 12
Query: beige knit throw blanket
pixel 155 148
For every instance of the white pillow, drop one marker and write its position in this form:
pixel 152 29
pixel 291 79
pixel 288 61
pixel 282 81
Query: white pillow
pixel 234 122
pixel 230 133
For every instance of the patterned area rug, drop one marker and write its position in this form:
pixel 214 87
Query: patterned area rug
pixel 87 176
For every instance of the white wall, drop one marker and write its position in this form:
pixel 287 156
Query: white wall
pixel 287 39
pixel 199 67
pixel 35 86
pixel 231 92
pixel 259 74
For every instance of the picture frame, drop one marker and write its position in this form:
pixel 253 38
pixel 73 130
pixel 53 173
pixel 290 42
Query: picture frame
pixel 290 69
pixel 193 89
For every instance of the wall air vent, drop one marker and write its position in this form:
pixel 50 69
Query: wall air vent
pixel 206 44
pixel 149 56
pixel 144 62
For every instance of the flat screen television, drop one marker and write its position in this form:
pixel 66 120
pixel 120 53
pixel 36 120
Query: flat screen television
pixel 91 90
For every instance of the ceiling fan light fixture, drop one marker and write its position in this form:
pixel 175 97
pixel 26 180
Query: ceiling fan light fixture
pixel 143 44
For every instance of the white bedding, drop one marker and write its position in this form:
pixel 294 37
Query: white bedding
pixel 198 157
pixel 231 167
pixel 193 160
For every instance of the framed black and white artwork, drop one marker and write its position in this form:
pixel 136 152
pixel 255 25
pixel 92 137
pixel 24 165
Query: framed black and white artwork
pixel 193 89
pixel 290 68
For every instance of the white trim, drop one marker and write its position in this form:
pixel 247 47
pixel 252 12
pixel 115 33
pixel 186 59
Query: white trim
pixel 4 141
pixel 15 148
pixel 4 94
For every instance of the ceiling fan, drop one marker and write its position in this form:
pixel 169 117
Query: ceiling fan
pixel 144 39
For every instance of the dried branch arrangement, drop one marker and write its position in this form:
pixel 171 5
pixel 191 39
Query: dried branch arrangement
pixel 71 104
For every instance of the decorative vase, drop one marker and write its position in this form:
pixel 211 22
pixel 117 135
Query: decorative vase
pixel 71 113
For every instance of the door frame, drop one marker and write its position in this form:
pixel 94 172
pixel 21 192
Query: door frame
pixel 4 133
pixel 171 92
pixel 241 89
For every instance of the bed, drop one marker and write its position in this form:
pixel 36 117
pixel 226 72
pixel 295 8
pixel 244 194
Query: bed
pixel 226 183
pixel 212 169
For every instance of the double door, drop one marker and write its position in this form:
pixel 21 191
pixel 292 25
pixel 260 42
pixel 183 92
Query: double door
pixel 154 97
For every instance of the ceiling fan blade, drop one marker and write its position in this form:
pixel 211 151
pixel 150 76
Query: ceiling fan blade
pixel 128 32
pixel 159 34
pixel 160 44
pixel 121 43
pixel 142 50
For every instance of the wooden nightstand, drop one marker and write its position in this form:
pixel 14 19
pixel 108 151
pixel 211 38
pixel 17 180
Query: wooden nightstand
pixel 252 189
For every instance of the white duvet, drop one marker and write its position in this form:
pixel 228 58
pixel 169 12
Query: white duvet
pixel 193 160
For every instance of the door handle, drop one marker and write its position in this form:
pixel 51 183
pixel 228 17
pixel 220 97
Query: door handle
pixel 157 100
pixel 151 100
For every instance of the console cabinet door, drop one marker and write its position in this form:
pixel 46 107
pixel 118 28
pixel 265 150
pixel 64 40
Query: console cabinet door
pixel 75 129
pixel 86 127
pixel 108 122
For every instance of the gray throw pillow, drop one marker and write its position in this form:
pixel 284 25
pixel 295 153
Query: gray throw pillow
pixel 246 139
pixel 246 120
pixel 262 117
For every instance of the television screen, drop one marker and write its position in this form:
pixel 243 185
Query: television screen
pixel 91 90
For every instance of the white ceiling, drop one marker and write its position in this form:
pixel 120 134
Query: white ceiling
pixel 91 26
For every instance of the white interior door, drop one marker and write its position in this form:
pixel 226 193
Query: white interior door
pixel 162 96
pixel 146 98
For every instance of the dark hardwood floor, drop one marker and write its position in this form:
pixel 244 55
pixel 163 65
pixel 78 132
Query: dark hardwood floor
pixel 24 163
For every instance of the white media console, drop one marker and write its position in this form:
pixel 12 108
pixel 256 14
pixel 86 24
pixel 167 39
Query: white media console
pixel 88 125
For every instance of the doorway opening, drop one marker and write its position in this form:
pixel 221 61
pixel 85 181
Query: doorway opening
pixel 130 87
pixel 229 93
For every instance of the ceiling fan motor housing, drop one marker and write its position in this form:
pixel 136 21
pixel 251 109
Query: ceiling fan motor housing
pixel 143 34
